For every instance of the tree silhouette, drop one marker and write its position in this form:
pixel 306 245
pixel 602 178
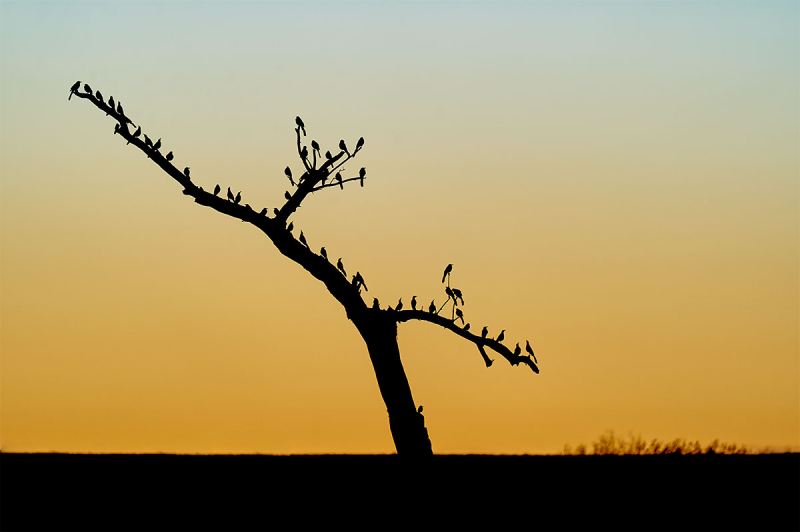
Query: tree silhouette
pixel 377 326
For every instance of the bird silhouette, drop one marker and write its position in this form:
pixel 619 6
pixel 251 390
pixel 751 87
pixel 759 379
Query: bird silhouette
pixel 136 133
pixel 360 143
pixel 287 195
pixel 314 145
pixel 157 145
pixel 263 212
pixel 339 179
pixel 449 292
pixel 303 240
pixel 328 155
pixel 419 410
pixel 304 153
pixel 447 271
pixel 217 189
pixel 111 102
pixel 300 124
pixel 362 174
pixel 288 172
pixel 399 306
pixel 147 141
pixel 529 349
pixel 290 227
pixel 73 89
pixel 186 171
pixel 459 315
pixel 360 281
pixel 169 156
pixel 375 303
pixel 484 332
pixel 517 350
pixel 87 88
pixel 501 335
pixel 432 307
pixel 414 303
pixel 466 327
pixel 121 112
pixel 238 198
pixel 343 147
pixel 324 253
pixel 99 96
pixel 340 265
pixel 230 194
pixel 457 294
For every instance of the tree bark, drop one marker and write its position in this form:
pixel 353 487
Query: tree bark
pixel 406 424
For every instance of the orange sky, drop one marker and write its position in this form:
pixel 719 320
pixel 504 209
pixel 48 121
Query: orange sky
pixel 617 182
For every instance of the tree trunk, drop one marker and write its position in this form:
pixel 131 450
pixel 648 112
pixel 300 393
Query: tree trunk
pixel 406 424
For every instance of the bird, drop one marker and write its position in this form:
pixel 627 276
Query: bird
pixel 287 195
pixel 419 410
pixel 314 145
pixel 263 212
pixel 343 147
pixel 186 171
pixel 300 124
pixel 288 172
pixel 116 129
pixel 459 315
pixel 358 280
pixel 375 303
pixel 87 88
pixel 73 89
pixel 447 271
pixel 136 133
pixel 169 156
pixel 304 153
pixel 290 227
pixel 414 303
pixel 121 112
pixel 339 180
pixel 323 252
pixel 303 239
pixel 501 335
pixel 99 96
pixel 111 102
pixel 457 294
pixel 340 265
pixel 449 293
pixel 466 327
pixel 360 143
pixel 217 189
pixel 147 140
pixel 517 350
pixel 485 331
pixel 529 349
pixel 399 306
pixel 157 145
pixel 238 197
pixel 230 194
pixel 362 174
pixel 432 307
pixel 328 155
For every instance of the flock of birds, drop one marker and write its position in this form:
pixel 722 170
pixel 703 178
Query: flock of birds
pixel 454 295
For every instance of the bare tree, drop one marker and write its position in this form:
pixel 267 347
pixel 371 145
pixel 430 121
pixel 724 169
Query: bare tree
pixel 377 326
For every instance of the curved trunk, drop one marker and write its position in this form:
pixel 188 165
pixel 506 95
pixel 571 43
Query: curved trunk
pixel 406 424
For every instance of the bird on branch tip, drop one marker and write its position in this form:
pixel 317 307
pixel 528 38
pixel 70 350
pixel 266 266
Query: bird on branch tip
pixel 303 239
pixel 300 124
pixel 157 145
pixel 340 265
pixel 517 350
pixel 432 307
pixel 186 171
pixel 217 189
pixel 343 147
pixel 238 198
pixel 485 331
pixel 459 315
pixel 230 194
pixel 324 253
pixel 360 143
pixel 73 89
pixel 399 306
pixel 87 88
pixel 501 336
pixel 447 272
pixel 314 145
pixel 413 302
pixel 169 156
pixel 529 349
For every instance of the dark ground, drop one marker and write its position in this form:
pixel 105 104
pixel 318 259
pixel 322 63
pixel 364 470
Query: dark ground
pixel 168 492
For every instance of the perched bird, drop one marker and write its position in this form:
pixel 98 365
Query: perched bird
pixel 111 102
pixel 485 331
pixel 300 124
pixel 529 349
pixel 339 180
pixel 466 327
pixel 263 212
pixel 413 302
pixel 287 195
pixel 217 189
pixel 157 145
pixel 169 156
pixel 121 112
pixel 459 315
pixel 136 133
pixel 304 153
pixel 340 265
pixel 457 294
pixel 359 279
pixel 99 96
pixel 288 172
pixel 324 253
pixel 419 410
pixel 147 141
pixel 501 335
pixel 447 271
pixel 449 293
pixel 517 350
pixel 314 145
pixel 432 307
pixel 303 239
pixel 360 143
pixel 87 88
pixel 186 171
pixel 399 306
pixel 343 147
pixel 362 174
pixel 290 227
pixel 328 155
pixel 230 194
pixel 375 303
pixel 73 89
pixel 116 129
pixel 238 198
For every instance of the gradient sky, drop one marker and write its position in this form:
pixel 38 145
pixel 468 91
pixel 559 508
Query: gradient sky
pixel 617 181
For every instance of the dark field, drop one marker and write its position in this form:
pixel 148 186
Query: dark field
pixel 168 492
